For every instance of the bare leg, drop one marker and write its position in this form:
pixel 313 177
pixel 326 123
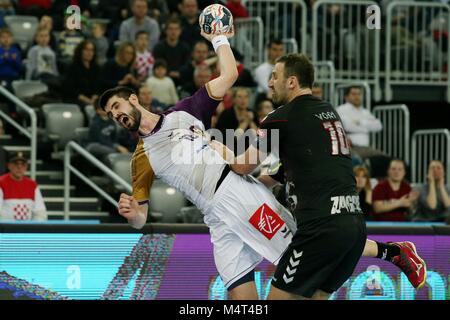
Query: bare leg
pixel 245 291
pixel 320 295
pixel 370 249
pixel 277 294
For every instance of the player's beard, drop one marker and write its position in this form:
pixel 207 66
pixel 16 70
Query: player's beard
pixel 135 118
pixel 279 98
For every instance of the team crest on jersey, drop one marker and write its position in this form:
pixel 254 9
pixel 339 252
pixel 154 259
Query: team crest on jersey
pixel 266 221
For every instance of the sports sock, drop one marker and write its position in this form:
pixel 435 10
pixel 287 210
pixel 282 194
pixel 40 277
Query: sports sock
pixel 387 251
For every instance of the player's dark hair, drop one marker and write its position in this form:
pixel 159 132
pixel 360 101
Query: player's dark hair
pixel 276 41
pixel 299 66
pixel 349 89
pixel 121 92
pixel 139 33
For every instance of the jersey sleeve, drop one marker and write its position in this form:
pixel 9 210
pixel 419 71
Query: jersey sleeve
pixel 269 133
pixel 142 175
pixel 202 105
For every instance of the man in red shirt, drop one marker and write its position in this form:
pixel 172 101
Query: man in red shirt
pixel 393 198
pixel 20 197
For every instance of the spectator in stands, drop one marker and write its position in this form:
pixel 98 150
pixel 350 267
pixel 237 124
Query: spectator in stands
pixel 82 81
pixel 159 10
pixel 138 22
pixel 144 58
pixel 20 197
pixel 263 108
pixel 148 102
pixel 6 9
pixel 41 64
pixel 161 85
pixel 434 200
pixel 189 22
pixel 237 9
pixel 68 40
pixel 173 50
pixel 358 123
pixel 239 118
pixel 119 71
pixel 202 74
pixel 46 22
pixel 364 188
pixel 104 136
pixel 199 55
pixel 11 66
pixel 275 49
pixel 100 41
pixel 317 91
pixel 393 198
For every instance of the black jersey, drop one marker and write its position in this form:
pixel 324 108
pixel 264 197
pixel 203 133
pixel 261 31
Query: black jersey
pixel 315 154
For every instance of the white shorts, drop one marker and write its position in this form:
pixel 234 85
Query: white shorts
pixel 247 224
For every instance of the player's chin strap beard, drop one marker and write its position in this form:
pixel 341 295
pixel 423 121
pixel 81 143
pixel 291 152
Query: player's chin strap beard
pixel 135 115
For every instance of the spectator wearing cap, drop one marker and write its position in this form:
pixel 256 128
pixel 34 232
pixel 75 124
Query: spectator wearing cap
pixel 139 22
pixel 20 197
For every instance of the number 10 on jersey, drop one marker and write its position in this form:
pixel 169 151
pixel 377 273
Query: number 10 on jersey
pixel 339 142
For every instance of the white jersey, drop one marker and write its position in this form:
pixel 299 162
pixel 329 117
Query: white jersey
pixel 246 222
pixel 178 153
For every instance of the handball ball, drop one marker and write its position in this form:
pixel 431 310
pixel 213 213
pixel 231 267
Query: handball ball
pixel 216 19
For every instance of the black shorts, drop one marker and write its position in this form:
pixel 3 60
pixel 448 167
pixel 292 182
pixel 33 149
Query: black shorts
pixel 322 255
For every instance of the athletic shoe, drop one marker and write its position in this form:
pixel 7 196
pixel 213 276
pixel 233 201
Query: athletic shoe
pixel 410 263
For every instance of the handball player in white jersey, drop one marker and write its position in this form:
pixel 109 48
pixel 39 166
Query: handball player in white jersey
pixel 246 222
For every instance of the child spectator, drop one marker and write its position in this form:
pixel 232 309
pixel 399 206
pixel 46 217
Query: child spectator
pixel 162 86
pixel 10 59
pixel 144 58
pixel 101 42
pixel 41 63
pixel 434 200
pixel 46 22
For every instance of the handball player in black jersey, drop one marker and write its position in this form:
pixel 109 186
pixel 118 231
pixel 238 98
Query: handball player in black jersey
pixel 315 154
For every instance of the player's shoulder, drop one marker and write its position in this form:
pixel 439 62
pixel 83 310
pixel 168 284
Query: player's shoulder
pixel 279 114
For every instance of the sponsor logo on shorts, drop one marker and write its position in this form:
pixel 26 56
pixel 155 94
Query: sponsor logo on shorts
pixel 266 221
